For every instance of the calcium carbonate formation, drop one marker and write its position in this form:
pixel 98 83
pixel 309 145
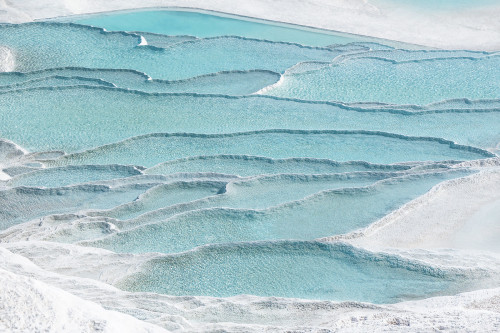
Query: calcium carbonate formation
pixel 232 174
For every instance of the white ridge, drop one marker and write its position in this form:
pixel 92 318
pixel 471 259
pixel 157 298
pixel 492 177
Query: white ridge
pixel 7 59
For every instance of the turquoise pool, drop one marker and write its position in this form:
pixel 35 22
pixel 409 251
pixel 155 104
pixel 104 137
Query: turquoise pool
pixel 206 24
pixel 223 150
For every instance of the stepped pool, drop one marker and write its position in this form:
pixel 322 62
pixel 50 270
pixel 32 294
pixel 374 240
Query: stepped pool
pixel 223 150
pixel 186 25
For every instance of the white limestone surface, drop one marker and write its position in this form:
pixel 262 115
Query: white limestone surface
pixel 29 305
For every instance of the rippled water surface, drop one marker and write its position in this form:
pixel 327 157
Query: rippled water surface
pixel 226 148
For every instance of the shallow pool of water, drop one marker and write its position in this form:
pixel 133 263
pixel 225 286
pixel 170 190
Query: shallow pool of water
pixel 200 24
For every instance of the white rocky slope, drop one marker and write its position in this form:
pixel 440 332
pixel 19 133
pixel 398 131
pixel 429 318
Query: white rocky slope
pixel 30 305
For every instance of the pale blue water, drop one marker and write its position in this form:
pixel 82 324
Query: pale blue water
pixel 248 193
pixel 22 204
pixel 56 81
pixel 171 22
pixel 242 82
pixel 166 195
pixel 66 44
pixel 166 148
pixel 342 146
pixel 349 208
pixel 403 82
pixel 57 177
pixel 308 269
pixel 252 165
pixel 71 125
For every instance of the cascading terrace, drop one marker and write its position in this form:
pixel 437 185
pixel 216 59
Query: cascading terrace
pixel 221 165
